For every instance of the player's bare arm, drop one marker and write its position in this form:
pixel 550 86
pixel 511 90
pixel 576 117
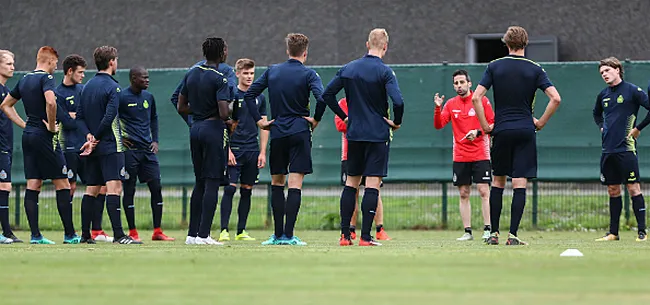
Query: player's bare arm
pixel 8 108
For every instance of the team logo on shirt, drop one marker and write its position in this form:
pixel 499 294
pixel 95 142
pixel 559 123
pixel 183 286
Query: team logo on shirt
pixel 118 90
pixel 64 170
pixel 471 112
pixel 127 176
pixel 70 174
pixel 225 81
pixel 639 89
pixel 3 174
pixel 50 76
pixel 122 172
pixel 454 178
pixel 602 178
pixel 620 99
pixel 145 104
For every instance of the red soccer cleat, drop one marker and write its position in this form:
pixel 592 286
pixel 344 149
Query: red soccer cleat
pixel 382 235
pixel 353 235
pixel 159 235
pixel 345 241
pixel 134 235
pixel 368 243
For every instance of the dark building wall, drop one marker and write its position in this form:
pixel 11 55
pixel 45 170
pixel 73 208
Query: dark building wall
pixel 168 33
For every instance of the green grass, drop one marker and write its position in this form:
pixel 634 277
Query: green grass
pixel 417 267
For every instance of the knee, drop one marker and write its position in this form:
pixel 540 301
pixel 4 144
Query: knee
pixel 464 193
pixel 229 190
pixel 614 190
pixel 484 191
pixel 634 189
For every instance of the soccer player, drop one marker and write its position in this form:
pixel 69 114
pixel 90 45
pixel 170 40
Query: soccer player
pixel 98 118
pixel 245 156
pixel 205 94
pixel 615 113
pixel 139 124
pixel 342 127
pixel 289 86
pixel 6 150
pixel 514 149
pixel 43 158
pixel 368 83
pixel 471 148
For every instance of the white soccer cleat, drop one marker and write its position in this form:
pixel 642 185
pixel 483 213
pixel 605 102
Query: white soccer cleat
pixel 465 237
pixel 207 241
pixel 104 238
pixel 486 235
pixel 190 240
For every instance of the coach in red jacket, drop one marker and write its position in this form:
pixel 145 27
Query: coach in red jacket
pixel 471 148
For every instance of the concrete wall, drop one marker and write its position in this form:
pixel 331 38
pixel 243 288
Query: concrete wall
pixel 168 33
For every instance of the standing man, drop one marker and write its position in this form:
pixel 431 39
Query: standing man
pixel 615 113
pixel 368 83
pixel 43 157
pixel 342 127
pixel 245 156
pixel 471 149
pixel 289 86
pixel 514 149
pixel 6 150
pixel 99 120
pixel 205 94
pixel 139 124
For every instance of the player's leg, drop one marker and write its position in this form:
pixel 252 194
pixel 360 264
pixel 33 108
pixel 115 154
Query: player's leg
pixel 249 177
pixel 52 166
pixel 114 172
pixel 379 220
pixel 88 205
pixel 524 162
pixel 5 188
pixel 98 214
pixel 610 175
pixel 630 165
pixel 375 167
pixel 462 178
pixel 502 167
pixel 214 162
pixel 353 220
pixel 196 199
pixel 300 164
pixel 482 177
pixel 149 171
pixel 278 163
pixel 132 164
pixel 348 202
pixel 234 172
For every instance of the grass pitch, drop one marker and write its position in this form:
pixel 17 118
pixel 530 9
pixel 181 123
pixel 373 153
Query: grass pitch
pixel 417 267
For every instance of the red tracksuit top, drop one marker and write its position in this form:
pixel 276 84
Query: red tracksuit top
pixel 343 128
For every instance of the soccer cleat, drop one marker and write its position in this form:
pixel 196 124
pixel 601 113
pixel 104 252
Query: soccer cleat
pixel 162 237
pixel 382 235
pixel 294 241
pixel 127 240
pixel 4 240
pixel 368 243
pixel 224 235
pixel 87 240
pixel 41 241
pixel 207 241
pixel 71 239
pixel 353 235
pixel 515 241
pixel 190 240
pixel 345 241
pixel 272 241
pixel 493 239
pixel 486 235
pixel 244 236
pixel 608 237
pixel 134 235
pixel 100 235
pixel 14 238
pixel 465 237
pixel 643 236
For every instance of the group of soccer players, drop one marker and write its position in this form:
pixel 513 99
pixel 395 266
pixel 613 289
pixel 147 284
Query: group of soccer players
pixel 104 134
pixel 108 136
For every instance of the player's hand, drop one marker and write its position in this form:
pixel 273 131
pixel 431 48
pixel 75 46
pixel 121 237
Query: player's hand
pixel 90 138
pixel 311 121
pixel 488 129
pixel 154 147
pixel 438 100
pixel 345 121
pixel 634 133
pixel 127 143
pixel 392 124
pixel 88 147
pixel 264 124
pixel 471 135
pixel 49 128
pixel 261 160
pixel 231 124
pixel 538 124
pixel 232 161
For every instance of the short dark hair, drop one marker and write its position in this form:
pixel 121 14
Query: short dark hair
pixel 297 44
pixel 516 38
pixel 461 72
pixel 136 70
pixel 214 49
pixel 103 55
pixel 613 63
pixel 72 62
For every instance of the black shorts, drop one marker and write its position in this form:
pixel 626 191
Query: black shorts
pixel 42 156
pixel 619 168
pixel 514 153
pixel 209 152
pixel 245 171
pixel 291 154
pixel 466 172
pixel 142 164
pixel 368 159
pixel 5 167
pixel 100 169
pixel 75 165
pixel 344 175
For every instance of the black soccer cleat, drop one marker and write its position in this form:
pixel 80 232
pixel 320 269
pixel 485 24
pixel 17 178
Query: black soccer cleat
pixel 493 239
pixel 87 240
pixel 127 240
pixel 14 238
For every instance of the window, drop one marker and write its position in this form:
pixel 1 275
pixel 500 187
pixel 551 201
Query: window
pixel 483 48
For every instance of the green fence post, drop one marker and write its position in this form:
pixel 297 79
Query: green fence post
pixel 17 206
pixel 444 205
pixel 267 221
pixel 184 206
pixel 535 197
pixel 626 204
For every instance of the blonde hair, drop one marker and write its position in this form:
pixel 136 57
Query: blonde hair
pixel 377 38
pixel 613 63
pixel 516 38
pixel 4 53
pixel 244 63
pixel 297 44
